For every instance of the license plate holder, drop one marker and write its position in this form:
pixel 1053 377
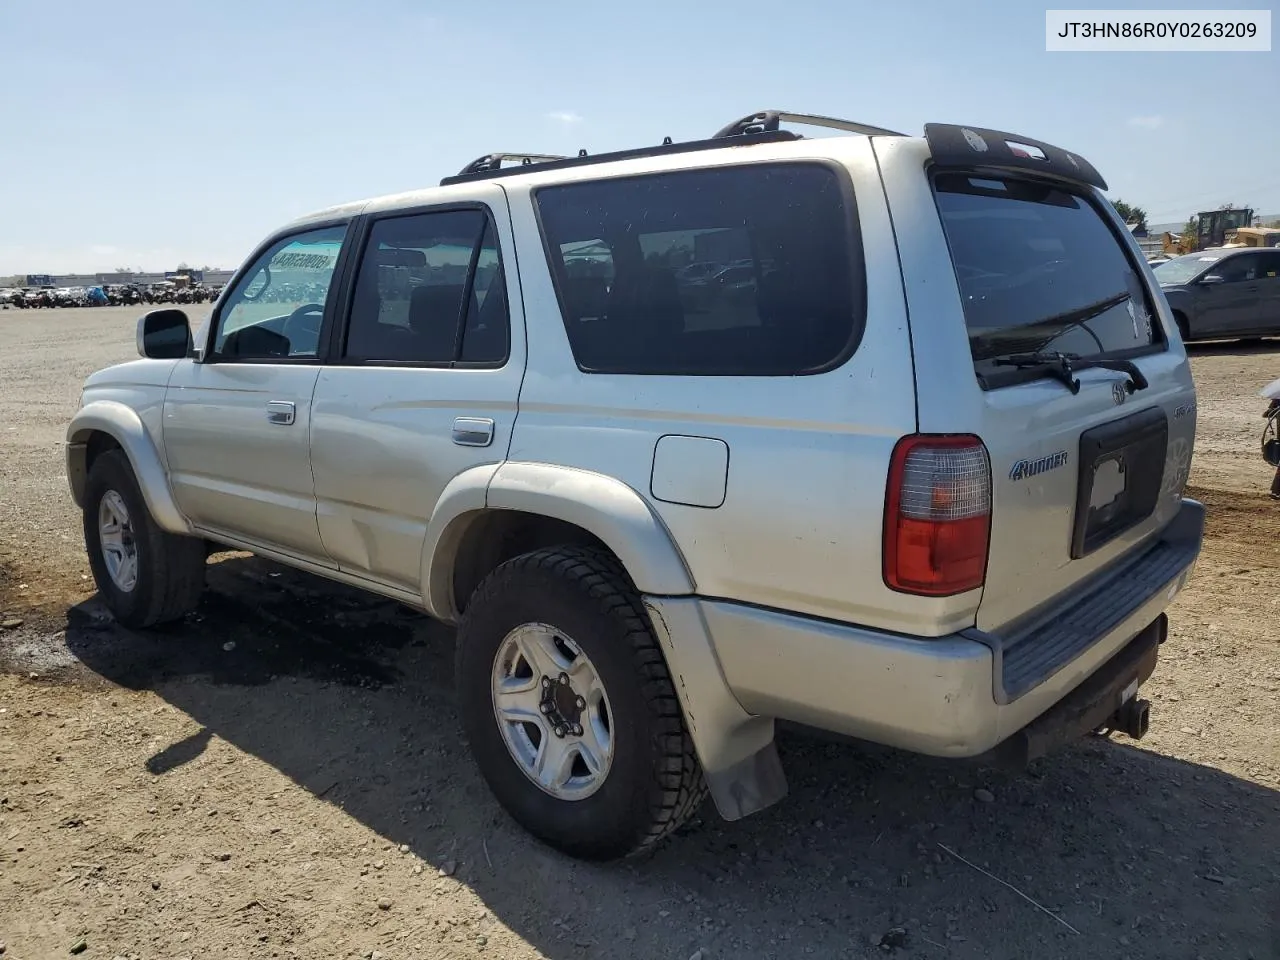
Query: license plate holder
pixel 1121 471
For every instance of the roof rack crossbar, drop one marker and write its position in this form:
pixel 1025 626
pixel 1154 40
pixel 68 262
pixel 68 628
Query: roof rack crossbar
pixel 768 120
pixel 493 161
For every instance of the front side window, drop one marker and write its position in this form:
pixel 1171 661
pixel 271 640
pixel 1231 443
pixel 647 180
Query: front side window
pixel 1039 269
pixel 276 309
pixel 1239 269
pixel 745 271
pixel 430 289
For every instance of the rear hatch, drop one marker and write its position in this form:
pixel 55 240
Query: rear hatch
pixel 1087 462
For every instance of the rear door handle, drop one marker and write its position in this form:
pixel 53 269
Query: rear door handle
pixel 473 431
pixel 282 412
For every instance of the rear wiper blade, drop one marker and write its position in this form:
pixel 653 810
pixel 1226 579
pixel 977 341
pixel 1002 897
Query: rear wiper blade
pixel 1058 365
pixel 1081 315
pixel 1062 366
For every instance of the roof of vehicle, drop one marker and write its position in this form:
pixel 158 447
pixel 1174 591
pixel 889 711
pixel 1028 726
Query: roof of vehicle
pixel 950 145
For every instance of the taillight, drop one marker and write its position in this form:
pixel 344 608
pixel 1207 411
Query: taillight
pixel 937 522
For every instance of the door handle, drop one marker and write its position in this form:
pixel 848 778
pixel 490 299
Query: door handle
pixel 473 431
pixel 282 412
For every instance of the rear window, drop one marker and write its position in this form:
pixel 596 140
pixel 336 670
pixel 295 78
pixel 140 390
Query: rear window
pixel 750 271
pixel 1039 269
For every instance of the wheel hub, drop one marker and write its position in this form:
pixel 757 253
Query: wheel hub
pixel 553 711
pixel 562 706
pixel 117 541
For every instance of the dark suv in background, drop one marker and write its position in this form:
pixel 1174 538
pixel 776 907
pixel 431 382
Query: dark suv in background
pixel 1224 293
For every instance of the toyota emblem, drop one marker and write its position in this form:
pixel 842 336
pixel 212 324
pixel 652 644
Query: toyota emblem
pixel 1119 393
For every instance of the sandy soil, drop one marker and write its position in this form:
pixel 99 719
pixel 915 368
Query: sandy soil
pixel 283 775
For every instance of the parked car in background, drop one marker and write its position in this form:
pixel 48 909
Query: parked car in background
pixel 1223 292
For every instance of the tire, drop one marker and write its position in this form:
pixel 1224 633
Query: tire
pixel 1184 328
pixel 168 569
pixel 653 782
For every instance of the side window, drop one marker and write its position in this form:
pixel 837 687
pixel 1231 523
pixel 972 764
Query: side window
pixel 744 271
pixel 485 336
pixel 1239 269
pixel 276 309
pixel 420 279
pixel 1270 269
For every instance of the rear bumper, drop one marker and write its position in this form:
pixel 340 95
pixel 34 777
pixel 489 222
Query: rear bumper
pixel 955 696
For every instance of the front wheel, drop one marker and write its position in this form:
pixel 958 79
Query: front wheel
pixel 569 706
pixel 145 575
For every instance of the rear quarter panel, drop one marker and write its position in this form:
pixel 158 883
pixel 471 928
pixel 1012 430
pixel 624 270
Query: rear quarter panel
pixel 801 523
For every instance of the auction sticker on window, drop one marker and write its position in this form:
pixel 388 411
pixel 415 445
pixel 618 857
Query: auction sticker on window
pixel 1142 31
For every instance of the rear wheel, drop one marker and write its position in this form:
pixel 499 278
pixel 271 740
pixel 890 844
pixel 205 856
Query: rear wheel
pixel 569 706
pixel 145 575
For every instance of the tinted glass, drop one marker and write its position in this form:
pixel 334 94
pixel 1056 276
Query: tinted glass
pixel 411 287
pixel 1270 266
pixel 277 307
pixel 1239 268
pixel 485 336
pixel 734 271
pixel 1036 267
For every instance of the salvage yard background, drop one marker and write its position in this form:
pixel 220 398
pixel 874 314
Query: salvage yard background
pixel 284 776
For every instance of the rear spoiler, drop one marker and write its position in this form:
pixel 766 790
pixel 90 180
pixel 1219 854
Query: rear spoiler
pixel 970 147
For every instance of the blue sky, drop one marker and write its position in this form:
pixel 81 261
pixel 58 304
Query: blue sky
pixel 145 133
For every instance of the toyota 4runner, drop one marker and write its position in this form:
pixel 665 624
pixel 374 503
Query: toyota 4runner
pixel 878 434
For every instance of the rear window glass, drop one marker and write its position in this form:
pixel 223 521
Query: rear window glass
pixel 1040 270
pixel 750 271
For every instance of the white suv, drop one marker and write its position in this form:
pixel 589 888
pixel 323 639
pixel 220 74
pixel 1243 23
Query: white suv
pixel 877 434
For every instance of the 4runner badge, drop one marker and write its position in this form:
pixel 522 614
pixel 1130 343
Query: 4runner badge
pixel 1030 468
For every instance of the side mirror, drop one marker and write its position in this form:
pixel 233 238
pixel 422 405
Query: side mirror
pixel 164 335
pixel 1209 279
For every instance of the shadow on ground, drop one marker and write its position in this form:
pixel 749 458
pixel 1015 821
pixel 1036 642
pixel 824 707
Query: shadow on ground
pixel 350 696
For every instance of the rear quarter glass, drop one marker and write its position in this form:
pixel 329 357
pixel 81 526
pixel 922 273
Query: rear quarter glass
pixel 1025 254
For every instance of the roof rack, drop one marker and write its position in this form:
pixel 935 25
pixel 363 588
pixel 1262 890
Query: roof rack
pixel 761 127
pixel 493 161
pixel 769 120
pixel 479 170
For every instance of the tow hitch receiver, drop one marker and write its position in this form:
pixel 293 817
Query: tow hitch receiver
pixel 1133 718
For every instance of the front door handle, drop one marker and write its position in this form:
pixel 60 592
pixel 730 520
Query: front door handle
pixel 283 412
pixel 473 431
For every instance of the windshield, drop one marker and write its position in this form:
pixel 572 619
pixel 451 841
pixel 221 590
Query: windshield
pixel 1181 269
pixel 1029 258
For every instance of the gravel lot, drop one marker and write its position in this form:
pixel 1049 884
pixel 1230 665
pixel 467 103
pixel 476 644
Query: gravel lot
pixel 283 775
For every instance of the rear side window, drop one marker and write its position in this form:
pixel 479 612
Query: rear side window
pixel 430 290
pixel 748 271
pixel 1039 269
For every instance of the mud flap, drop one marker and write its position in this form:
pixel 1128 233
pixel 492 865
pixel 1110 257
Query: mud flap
pixel 736 748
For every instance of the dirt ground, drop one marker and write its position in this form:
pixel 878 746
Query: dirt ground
pixel 283 775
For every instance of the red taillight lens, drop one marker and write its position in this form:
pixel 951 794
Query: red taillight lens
pixel 937 521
